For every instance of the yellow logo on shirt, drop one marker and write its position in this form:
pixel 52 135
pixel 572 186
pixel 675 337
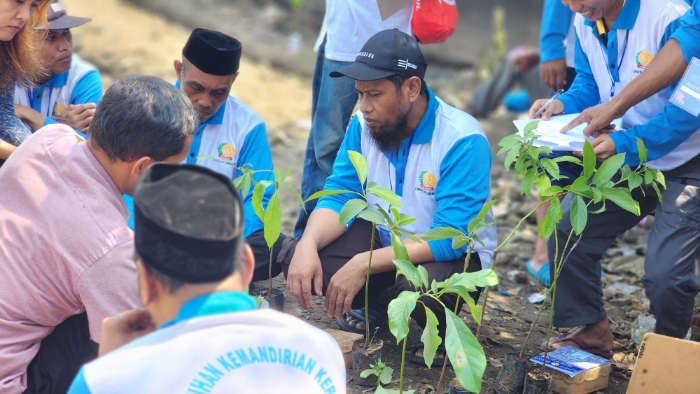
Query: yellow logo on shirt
pixel 428 181
pixel 226 151
pixel 58 110
pixel 643 59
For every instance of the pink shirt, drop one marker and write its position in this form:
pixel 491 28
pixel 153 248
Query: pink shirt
pixel 65 247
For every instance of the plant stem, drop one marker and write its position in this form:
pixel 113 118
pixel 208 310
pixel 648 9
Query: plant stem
pixel 512 232
pixel 549 327
pixel 483 311
pixel 269 280
pixel 403 362
pixel 532 327
pixel 369 266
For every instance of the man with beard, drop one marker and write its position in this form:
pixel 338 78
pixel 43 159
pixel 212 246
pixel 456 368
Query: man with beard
pixel 434 157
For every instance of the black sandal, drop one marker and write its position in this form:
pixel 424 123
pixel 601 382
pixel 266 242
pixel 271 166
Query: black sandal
pixel 437 361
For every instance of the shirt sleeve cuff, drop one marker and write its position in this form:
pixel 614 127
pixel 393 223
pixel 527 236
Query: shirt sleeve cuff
pixel 547 55
pixel 331 204
pixel 626 142
pixel 569 104
pixel 442 250
pixel 49 120
pixel 689 43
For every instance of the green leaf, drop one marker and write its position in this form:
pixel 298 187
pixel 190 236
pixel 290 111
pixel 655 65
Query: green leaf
pixel 371 215
pixel 551 191
pixel 568 159
pixel 360 164
pixel 385 376
pixel 409 236
pixel 528 180
pixel 382 390
pixel 295 193
pixel 597 195
pixel 465 353
pixel 649 176
pixel 547 225
pixel 351 209
pixel 434 286
pixel 531 126
pixel 458 242
pixel 599 211
pixel 386 195
pixel 324 193
pixel 660 178
pixel 395 212
pixel 609 168
pixel 407 269
pixel 658 192
pixel 423 275
pixel 430 337
pixel 476 310
pixel 579 215
pixel 367 372
pixel 542 183
pixel 246 180
pixel 465 282
pixel 399 311
pixel 635 180
pixel 621 199
pixel 550 167
pixel 272 225
pixel 406 221
pixel 588 160
pixel 258 194
pixel 642 150
pixel 440 233
pixel 580 185
pixel 510 157
pixel 400 252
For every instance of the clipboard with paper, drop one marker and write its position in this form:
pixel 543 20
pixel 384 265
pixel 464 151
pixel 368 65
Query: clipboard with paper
pixel 548 133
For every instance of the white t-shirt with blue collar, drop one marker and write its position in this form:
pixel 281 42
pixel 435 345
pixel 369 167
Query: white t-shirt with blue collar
pixel 235 134
pixel 447 176
pixel 81 84
pixel 220 343
pixel 635 38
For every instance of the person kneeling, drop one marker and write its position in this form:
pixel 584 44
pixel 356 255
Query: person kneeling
pixel 437 160
pixel 193 267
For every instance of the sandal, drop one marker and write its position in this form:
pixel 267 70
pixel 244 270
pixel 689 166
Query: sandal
pixel 437 361
pixel 377 315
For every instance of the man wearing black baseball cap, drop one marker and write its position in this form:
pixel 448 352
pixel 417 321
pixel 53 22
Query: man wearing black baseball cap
pixel 200 331
pixel 434 157
pixel 72 88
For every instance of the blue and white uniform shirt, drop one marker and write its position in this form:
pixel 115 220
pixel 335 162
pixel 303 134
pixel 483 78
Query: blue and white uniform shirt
pixel 81 84
pixel 220 343
pixel 441 174
pixel 636 37
pixel 235 134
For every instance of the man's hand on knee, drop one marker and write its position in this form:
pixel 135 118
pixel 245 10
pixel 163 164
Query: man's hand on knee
pixel 344 286
pixel 305 271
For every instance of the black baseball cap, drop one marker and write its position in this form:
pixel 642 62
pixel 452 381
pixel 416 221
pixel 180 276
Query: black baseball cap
pixel 386 53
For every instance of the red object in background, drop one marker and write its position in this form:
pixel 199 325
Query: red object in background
pixel 434 21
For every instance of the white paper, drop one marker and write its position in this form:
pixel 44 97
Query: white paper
pixel 550 135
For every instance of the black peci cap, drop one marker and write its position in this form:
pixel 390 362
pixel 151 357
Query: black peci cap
pixel 213 52
pixel 188 222
pixel 386 53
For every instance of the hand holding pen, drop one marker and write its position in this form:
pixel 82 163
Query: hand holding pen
pixel 545 109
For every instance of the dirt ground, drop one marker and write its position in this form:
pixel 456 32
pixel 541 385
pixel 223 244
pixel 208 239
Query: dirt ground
pixel 123 39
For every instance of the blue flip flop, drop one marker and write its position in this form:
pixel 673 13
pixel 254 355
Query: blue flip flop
pixel 541 274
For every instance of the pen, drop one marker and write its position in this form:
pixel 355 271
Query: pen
pixel 556 95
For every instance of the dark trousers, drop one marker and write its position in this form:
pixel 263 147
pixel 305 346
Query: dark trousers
pixel 357 240
pixel 60 357
pixel 257 242
pixel 670 266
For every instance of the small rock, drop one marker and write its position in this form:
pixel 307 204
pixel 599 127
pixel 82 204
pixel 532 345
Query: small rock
pixel 631 264
pixel 517 276
pixel 496 363
pixel 620 302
